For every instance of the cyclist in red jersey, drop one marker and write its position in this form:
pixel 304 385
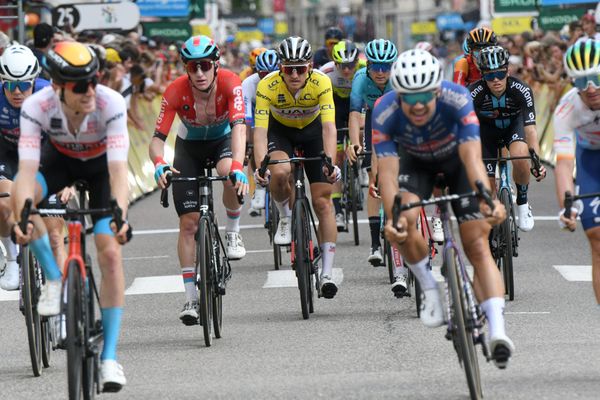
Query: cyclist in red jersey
pixel 466 71
pixel 210 105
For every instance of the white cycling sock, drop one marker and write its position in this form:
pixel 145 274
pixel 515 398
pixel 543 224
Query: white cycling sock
pixel 327 255
pixel 284 208
pixel 189 283
pixel 10 247
pixel 423 274
pixel 233 220
pixel 494 312
pixel 399 268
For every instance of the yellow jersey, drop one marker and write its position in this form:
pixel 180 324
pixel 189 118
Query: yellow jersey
pixel 313 99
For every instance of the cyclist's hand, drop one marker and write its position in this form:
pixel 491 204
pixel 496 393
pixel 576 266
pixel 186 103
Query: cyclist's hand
pixel 568 223
pixel 160 174
pixel 497 216
pixel 351 154
pixel 17 235
pixel 262 180
pixel 374 191
pixel 335 175
pixel 66 194
pixel 393 235
pixel 241 182
pixel 124 235
pixel 539 174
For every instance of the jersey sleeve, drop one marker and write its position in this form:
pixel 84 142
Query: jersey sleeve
pixel 527 105
pixel 249 93
pixel 30 138
pixel 235 99
pixel 326 104
pixel 117 135
pixel 466 119
pixel 564 133
pixel 382 124
pixel 168 110
pixel 461 71
pixel 262 111
pixel 356 100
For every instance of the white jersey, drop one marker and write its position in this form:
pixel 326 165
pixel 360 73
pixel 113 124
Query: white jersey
pixel 575 124
pixel 102 131
pixel 249 92
pixel 340 85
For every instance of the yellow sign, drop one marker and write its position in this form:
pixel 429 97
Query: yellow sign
pixel 511 25
pixel 423 28
pixel 246 36
pixel 281 28
pixel 201 30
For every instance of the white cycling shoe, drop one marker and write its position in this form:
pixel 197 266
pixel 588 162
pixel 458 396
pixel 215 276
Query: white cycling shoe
pixel 283 235
pixel 49 300
pixel 501 349
pixel 9 276
pixel 432 309
pixel 526 220
pixel 112 377
pixel 235 246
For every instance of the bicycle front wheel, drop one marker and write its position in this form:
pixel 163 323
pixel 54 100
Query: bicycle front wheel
pixel 273 222
pixel 302 255
pixel 461 331
pixel 389 260
pixel 204 259
pixel 354 199
pixel 30 286
pixel 75 321
pixel 506 238
pixel 218 282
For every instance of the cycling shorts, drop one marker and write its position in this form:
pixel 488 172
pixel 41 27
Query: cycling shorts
pixel 588 181
pixel 366 163
pixel 493 138
pixel 9 161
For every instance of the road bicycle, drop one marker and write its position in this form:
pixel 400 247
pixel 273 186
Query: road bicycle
pixel 352 196
pixel 212 268
pixel 271 222
pixel 570 199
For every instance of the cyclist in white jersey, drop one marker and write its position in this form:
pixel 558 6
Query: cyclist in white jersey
pixel 86 124
pixel 577 139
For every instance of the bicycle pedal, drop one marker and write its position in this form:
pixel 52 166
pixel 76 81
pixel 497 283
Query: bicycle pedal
pixel 221 291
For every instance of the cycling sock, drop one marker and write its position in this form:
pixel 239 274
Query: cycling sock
pixel 375 226
pixel 521 194
pixel 284 208
pixel 423 274
pixel 328 253
pixel 43 252
pixel 494 312
pixel 10 247
pixel 111 324
pixel 399 268
pixel 337 204
pixel 233 220
pixel 189 283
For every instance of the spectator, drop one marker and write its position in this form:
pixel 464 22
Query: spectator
pixel 43 39
pixel 588 23
pixel 575 32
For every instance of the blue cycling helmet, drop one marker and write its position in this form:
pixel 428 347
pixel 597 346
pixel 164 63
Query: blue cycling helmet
pixel 381 51
pixel 198 47
pixel 267 61
pixel 465 47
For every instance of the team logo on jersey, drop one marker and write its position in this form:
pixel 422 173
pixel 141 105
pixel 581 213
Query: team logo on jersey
pixel 55 123
pixel 470 118
pixel 281 98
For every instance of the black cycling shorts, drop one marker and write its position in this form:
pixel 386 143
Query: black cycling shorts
pixel 368 144
pixel 342 116
pixel 493 138
pixel 9 160
pixel 191 157
pixel 418 177
pixel 310 138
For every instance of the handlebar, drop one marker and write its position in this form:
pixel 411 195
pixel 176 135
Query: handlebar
pixel 570 200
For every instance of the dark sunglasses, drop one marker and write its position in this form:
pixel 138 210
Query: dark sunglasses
pixel 413 98
pixel 23 86
pixel 348 65
pixel 262 74
pixel 380 67
pixel 81 87
pixel 289 69
pixel 490 76
pixel 204 66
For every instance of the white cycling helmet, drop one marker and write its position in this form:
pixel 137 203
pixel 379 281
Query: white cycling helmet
pixel 416 71
pixel 18 64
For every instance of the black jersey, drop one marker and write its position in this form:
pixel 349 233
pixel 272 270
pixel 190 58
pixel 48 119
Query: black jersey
pixel 501 112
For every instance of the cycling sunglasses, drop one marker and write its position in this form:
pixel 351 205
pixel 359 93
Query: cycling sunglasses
pixel 289 69
pixel 204 66
pixel 413 98
pixel 380 67
pixel 584 82
pixel 348 65
pixel 23 86
pixel 490 76
pixel 331 42
pixel 262 74
pixel 81 87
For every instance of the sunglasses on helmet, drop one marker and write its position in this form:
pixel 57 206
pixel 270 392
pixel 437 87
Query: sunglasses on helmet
pixel 289 69
pixel 490 76
pixel 413 98
pixel 380 67
pixel 347 65
pixel 23 86
pixel 584 82
pixel 81 87
pixel 204 66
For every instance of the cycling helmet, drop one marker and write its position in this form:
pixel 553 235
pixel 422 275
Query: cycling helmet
pixel 198 47
pixel 583 58
pixel 481 37
pixel 71 62
pixel 18 64
pixel 493 57
pixel 344 52
pixel 334 33
pixel 381 51
pixel 267 61
pixel 424 46
pixel 416 71
pixel 465 47
pixel 253 54
pixel 295 49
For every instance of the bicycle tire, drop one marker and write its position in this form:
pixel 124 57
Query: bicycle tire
pixel 354 189
pixel 74 323
pixel 33 321
pixel 463 340
pixel 203 266
pixel 46 343
pixel 218 278
pixel 302 255
pixel 90 363
pixel 507 240
pixel 274 221
pixel 389 260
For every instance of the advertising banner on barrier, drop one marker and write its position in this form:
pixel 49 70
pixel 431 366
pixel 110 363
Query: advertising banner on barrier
pixel 170 30
pixel 162 8
pixel 511 25
pixel 103 16
pixel 423 28
pixel 514 6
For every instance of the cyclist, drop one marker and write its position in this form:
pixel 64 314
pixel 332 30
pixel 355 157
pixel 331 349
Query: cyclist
pixel 209 103
pixel 576 140
pixel 76 107
pixel 266 62
pixel 288 107
pixel 341 72
pixel 425 127
pixel 504 106
pixel 251 68
pixel 333 36
pixel 465 69
pixel 19 71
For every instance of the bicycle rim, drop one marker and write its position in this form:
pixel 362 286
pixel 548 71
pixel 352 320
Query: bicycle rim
pixel 30 290
pixel 203 265
pixel 75 322
pixel 507 256
pixel 354 189
pixel 302 255
pixel 389 260
pixel 463 339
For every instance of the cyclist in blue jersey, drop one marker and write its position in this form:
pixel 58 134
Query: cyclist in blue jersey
pixel 19 71
pixel 426 127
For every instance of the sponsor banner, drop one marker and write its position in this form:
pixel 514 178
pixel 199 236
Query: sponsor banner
pixel 423 28
pixel 281 28
pixel 511 25
pixel 92 16
pixel 171 30
pixel 162 8
pixel 552 18
pixel 449 22
pixel 201 29
pixel 513 6
pixel 243 35
pixel 266 25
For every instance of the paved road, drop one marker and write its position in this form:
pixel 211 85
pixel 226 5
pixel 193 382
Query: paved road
pixel 363 344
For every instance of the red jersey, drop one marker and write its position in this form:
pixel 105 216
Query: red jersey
pixel 466 71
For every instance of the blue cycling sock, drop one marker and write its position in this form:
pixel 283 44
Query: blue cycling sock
pixel 111 325
pixel 521 194
pixel 43 252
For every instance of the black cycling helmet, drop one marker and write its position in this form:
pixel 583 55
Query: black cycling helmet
pixel 479 38
pixel 334 33
pixel 71 62
pixel 493 57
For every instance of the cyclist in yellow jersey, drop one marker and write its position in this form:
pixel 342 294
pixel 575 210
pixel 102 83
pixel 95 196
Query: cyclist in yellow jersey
pixel 289 103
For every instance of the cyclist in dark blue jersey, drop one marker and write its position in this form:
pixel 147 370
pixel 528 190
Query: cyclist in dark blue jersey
pixel 426 127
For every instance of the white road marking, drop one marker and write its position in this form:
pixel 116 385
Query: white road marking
pixel 156 284
pixel 143 258
pixel 259 251
pixel 287 278
pixel 526 312
pixel 575 273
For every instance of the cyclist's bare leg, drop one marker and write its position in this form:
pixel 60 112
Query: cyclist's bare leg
pixel 6 218
pixel 112 290
pixel 56 232
pixel 520 167
pixel 280 177
pixel 337 187
pixel 186 243
pixel 415 248
pixel 593 235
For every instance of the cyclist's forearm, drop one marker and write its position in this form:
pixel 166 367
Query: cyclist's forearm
pixel 260 145
pixel 388 182
pixel 329 139
pixel 564 179
pixel 354 121
pixel 156 149
pixel 470 155
pixel 532 138
pixel 24 185
pixel 238 143
pixel 119 185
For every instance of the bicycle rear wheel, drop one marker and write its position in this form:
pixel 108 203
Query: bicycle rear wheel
pixel 302 255
pixel 30 286
pixel 203 271
pixel 92 327
pixel 461 331
pixel 46 342
pixel 75 323
pixel 389 260
pixel 354 199
pixel 506 238
pixel 273 222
